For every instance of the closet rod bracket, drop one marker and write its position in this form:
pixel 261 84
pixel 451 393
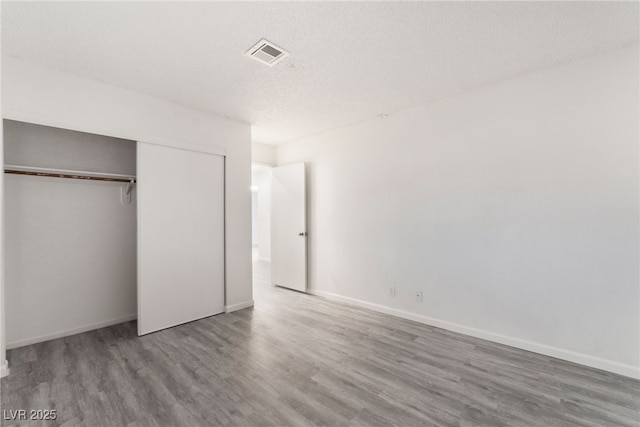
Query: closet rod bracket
pixel 126 192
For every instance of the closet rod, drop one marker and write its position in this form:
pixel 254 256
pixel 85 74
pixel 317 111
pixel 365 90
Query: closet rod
pixel 71 174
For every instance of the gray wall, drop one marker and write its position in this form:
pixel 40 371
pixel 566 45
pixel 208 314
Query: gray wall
pixel 70 245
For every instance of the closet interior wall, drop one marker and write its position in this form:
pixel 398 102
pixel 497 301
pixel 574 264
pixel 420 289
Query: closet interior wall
pixel 70 244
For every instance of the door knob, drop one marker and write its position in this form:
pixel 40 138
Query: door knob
pixel 302 234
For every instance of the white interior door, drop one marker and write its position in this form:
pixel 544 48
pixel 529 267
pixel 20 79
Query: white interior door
pixel 289 227
pixel 180 236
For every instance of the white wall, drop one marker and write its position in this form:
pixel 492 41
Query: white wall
pixel 254 217
pixel 263 154
pixel 70 245
pixel 261 178
pixel 44 96
pixel 514 208
pixel 264 218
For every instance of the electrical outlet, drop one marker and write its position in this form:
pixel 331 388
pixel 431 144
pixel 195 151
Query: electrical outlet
pixel 419 296
pixel 392 291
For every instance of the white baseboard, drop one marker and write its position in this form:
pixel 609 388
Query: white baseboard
pixel 87 328
pixel 66 333
pixel 559 353
pixel 240 306
pixel 4 369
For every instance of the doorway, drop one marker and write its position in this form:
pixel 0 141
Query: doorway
pixel 261 225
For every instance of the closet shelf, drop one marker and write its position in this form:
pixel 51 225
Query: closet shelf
pixel 70 174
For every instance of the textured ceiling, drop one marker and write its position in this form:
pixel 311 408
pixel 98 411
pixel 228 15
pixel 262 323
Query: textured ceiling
pixel 349 61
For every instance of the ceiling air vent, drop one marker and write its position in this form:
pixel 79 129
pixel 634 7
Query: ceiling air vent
pixel 267 53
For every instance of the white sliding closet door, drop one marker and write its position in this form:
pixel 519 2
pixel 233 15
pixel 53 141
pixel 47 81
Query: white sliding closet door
pixel 180 236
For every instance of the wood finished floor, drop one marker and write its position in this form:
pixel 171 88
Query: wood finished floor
pixel 298 360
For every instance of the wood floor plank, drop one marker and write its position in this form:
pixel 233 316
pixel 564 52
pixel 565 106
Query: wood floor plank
pixel 301 360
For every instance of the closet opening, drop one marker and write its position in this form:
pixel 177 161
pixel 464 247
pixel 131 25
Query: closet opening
pixel 70 232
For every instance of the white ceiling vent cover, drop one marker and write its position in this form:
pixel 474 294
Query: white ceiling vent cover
pixel 267 53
